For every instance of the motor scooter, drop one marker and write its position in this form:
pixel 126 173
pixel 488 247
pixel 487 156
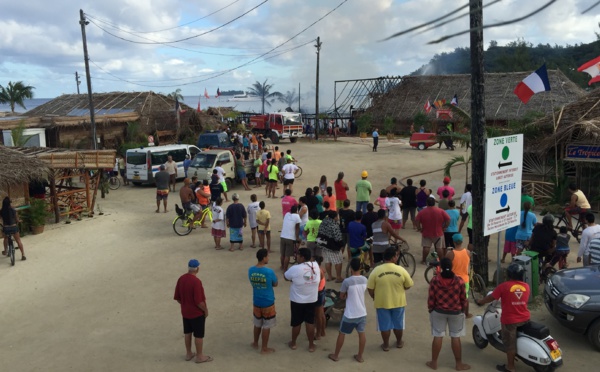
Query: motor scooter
pixel 535 346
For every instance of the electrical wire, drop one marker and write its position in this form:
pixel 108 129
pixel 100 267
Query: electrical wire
pixel 184 39
pixel 591 7
pixel 246 63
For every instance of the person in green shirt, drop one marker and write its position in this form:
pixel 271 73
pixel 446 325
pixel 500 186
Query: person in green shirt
pixel 363 192
pixel 311 229
pixel 273 177
pixel 526 198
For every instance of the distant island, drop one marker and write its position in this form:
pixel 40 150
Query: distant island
pixel 231 92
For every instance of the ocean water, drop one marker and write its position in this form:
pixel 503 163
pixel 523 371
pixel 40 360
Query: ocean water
pixel 192 101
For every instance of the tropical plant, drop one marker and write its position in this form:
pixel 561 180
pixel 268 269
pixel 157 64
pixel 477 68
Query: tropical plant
pixel 263 91
pixel 289 98
pixel 37 212
pixel 15 94
pixel 363 124
pixel 388 125
pixel 19 139
pixel 176 95
pixel 458 160
pixel 420 120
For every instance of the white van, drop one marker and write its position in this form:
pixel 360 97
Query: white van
pixel 144 162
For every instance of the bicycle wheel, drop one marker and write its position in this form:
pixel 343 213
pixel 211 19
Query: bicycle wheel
pixel 298 173
pixel 182 225
pixel 114 183
pixel 407 261
pixel 478 287
pixel 430 272
pixel 11 252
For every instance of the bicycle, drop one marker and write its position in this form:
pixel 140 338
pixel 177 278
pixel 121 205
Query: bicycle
pixel 10 246
pixel 184 223
pixel 113 181
pixel 364 257
pixel 405 258
pixel 477 286
pixel 579 226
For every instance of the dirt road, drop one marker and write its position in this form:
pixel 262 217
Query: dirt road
pixel 96 295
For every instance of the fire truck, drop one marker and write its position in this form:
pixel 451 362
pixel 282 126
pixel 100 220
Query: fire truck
pixel 278 126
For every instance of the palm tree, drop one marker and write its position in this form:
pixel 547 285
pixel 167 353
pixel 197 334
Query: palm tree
pixel 458 160
pixel 176 95
pixel 263 90
pixel 15 94
pixel 289 98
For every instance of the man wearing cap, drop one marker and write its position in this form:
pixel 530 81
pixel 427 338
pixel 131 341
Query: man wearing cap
pixel 363 192
pixel 161 178
pixel 190 295
pixel 235 216
pixel 446 186
pixel 461 259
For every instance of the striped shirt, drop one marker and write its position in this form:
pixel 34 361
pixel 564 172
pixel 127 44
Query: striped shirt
pixel 594 251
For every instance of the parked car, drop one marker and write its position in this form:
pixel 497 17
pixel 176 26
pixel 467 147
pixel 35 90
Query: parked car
pixel 143 163
pixel 203 164
pixel 214 139
pixel 573 297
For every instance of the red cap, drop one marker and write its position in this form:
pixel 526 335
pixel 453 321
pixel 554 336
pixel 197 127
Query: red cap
pixel 446 179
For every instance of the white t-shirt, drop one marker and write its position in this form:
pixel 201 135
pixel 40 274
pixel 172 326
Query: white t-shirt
pixel 355 287
pixel 393 206
pixel 591 232
pixel 221 174
pixel 304 217
pixel 288 229
pixel 467 199
pixel 289 170
pixel 253 208
pixel 305 279
pixel 218 214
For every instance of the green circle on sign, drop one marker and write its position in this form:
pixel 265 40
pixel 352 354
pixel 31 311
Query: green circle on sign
pixel 505 152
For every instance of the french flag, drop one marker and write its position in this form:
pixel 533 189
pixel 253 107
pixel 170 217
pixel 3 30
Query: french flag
pixel 454 101
pixel 532 84
pixel 593 69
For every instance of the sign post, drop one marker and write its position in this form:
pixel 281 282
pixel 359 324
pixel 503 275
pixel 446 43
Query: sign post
pixel 503 175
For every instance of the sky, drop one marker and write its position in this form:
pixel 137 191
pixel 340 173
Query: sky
pixel 245 41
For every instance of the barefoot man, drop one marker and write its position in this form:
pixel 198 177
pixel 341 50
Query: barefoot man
pixel 263 279
pixel 305 278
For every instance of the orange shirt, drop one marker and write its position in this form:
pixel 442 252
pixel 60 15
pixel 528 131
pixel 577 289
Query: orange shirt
pixel 460 263
pixel 331 199
pixel 201 199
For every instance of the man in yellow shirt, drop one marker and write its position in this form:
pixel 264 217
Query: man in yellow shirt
pixel 387 285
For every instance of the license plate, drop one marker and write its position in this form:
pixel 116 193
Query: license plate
pixel 555 354
pixel 136 177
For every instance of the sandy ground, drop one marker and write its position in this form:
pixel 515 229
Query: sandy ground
pixel 96 295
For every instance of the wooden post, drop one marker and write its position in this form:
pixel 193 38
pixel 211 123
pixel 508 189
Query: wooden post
pixel 53 196
pixel 478 137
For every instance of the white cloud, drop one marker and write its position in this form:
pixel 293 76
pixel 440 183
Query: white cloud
pixel 41 44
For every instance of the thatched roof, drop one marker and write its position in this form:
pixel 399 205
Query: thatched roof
pixel 120 107
pixel 577 123
pixel 18 168
pixel 408 98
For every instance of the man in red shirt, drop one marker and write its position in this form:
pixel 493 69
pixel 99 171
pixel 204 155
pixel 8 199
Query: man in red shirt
pixel 432 221
pixel 446 186
pixel 287 202
pixel 513 295
pixel 190 295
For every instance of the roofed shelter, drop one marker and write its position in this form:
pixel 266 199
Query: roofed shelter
pixel 408 98
pixel 16 172
pixel 67 122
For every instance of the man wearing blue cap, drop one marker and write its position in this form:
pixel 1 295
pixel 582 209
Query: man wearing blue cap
pixel 461 260
pixel 190 295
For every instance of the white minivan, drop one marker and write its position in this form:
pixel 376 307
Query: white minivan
pixel 143 163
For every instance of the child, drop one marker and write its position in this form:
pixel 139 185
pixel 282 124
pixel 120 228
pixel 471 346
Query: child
pixel 323 185
pixel 510 243
pixel 257 166
pixel 253 209
pixel 263 219
pixel 380 202
pixel 218 223
pixel 562 247
pixel 320 320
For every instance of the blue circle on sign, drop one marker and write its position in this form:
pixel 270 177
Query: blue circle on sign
pixel 503 200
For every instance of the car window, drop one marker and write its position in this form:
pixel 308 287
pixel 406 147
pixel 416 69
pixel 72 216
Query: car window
pixel 136 158
pixel 193 152
pixel 224 158
pixel 159 158
pixel 178 155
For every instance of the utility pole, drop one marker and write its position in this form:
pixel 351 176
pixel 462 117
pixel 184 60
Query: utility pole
pixel 88 79
pixel 77 81
pixel 318 46
pixel 298 97
pixel 478 137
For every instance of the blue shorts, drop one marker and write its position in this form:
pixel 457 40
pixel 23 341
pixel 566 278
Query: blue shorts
pixel 388 319
pixel 347 326
pixel 241 174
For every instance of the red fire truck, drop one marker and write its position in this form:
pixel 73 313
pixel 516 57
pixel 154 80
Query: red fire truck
pixel 278 126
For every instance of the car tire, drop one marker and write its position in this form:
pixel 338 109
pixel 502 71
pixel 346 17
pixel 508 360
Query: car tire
pixel 274 138
pixel 136 183
pixel 293 139
pixel 594 334
pixel 421 146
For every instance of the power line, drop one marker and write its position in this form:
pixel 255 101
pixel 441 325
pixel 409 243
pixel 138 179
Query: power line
pixel 184 39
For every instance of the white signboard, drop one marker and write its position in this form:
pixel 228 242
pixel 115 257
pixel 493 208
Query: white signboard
pixel 503 168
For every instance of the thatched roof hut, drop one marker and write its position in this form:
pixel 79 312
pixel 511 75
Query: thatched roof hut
pixel 407 99
pixel 67 118
pixel 16 168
